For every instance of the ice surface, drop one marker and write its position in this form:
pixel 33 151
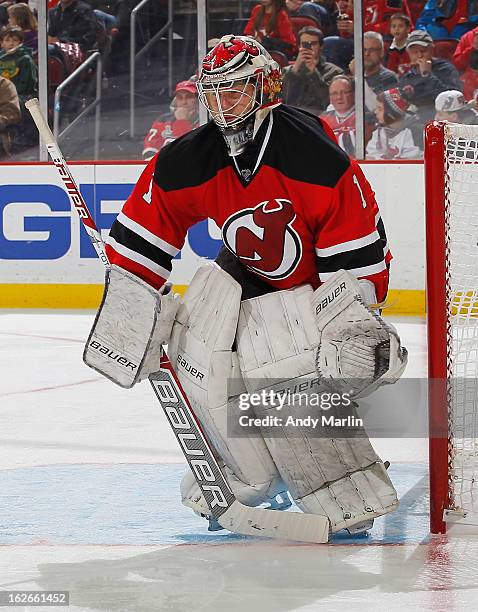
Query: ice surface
pixel 89 502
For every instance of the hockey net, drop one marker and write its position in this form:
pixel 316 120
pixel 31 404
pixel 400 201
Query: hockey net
pixel 451 174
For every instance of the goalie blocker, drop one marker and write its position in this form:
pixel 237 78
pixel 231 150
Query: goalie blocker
pixel 133 322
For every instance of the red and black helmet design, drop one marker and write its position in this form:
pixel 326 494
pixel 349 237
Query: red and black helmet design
pixel 241 66
pixel 229 54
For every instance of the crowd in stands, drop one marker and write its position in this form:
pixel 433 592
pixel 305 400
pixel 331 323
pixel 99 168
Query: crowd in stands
pixel 409 77
pixel 75 29
pixel 406 83
pixel 18 48
pixel 420 61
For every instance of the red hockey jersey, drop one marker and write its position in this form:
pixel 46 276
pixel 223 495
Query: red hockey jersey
pixel 283 29
pixel 162 133
pixel 306 212
pixel 344 127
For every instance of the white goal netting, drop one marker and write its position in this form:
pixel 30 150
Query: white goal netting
pixel 461 222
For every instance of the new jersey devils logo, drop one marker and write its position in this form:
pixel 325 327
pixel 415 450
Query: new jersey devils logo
pixel 230 54
pixel 263 238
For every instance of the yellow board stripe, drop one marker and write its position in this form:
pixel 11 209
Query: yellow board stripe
pixel 55 296
pixel 405 302
pixel 50 296
pixel 399 301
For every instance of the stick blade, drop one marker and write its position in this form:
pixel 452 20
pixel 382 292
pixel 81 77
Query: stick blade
pixel 275 524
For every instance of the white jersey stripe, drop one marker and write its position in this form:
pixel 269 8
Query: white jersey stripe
pixel 144 261
pixel 265 143
pixel 147 235
pixel 351 245
pixel 357 272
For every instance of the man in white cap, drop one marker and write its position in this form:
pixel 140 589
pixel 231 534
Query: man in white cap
pixel 451 106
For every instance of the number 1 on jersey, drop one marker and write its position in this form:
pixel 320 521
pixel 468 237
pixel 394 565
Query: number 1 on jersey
pixel 147 197
pixel 364 203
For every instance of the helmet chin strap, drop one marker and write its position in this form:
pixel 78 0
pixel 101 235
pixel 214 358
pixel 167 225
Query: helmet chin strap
pixel 238 137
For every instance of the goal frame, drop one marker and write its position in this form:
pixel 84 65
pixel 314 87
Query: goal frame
pixel 452 324
pixel 438 322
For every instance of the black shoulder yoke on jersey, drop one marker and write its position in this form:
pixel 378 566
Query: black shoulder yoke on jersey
pixel 298 147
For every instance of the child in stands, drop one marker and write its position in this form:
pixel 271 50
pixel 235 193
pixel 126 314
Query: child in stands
pixel 393 138
pixel 397 58
pixel 16 63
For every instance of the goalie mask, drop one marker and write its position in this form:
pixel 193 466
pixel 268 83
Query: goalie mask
pixel 238 80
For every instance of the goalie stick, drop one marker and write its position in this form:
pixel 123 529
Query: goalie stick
pixel 225 508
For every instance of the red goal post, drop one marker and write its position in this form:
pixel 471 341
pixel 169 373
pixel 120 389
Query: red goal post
pixel 451 185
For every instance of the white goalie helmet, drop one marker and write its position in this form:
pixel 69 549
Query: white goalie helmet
pixel 238 77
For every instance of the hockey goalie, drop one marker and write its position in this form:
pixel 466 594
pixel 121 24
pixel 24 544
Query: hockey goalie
pixel 291 301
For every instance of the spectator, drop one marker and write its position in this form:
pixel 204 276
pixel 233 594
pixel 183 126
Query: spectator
pixel 448 18
pixel 452 106
pixel 299 8
pixel 397 56
pixel 182 119
pixel 466 50
pixel 340 115
pixel 148 22
pixel 306 81
pixel 345 18
pixel 329 20
pixel 3 16
pixel 16 63
pixel 465 59
pixel 470 79
pixel 377 14
pixel 339 44
pixel 72 21
pixel 416 7
pixel 105 13
pixel 21 16
pixel 428 76
pixel 393 139
pixel 270 25
pixel 10 113
pixel 377 77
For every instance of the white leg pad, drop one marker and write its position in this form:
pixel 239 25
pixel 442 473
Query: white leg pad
pixel 277 336
pixel 200 350
pixel 133 322
pixel 357 497
pixel 341 478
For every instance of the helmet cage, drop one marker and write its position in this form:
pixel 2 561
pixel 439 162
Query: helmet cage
pixel 210 95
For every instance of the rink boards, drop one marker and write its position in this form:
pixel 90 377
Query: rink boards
pixel 46 259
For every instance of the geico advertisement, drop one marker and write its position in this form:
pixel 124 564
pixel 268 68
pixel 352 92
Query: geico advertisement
pixel 43 241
